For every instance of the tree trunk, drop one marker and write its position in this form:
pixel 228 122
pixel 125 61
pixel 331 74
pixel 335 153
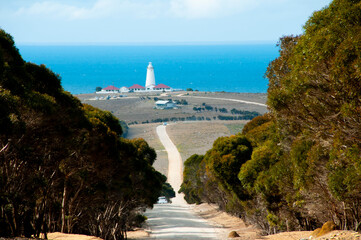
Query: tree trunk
pixel 63 222
pixel 71 207
pixel 345 216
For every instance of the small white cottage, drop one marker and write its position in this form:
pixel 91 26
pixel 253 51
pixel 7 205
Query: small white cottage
pixel 165 104
pixel 124 89
pixel 136 88
pixel 109 89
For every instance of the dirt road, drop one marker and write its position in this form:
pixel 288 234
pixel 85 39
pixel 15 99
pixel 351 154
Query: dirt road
pixel 175 164
pixel 227 99
pixel 176 220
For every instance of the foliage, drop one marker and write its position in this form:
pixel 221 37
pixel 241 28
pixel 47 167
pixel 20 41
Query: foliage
pixel 314 94
pixel 257 121
pixel 63 165
pixel 213 177
pixel 183 102
pixel 305 165
pixel 167 191
pixel 223 110
pixel 125 128
pixel 225 160
pixel 244 117
pixel 191 185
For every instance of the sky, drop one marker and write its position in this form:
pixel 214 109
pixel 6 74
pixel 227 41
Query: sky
pixel 154 21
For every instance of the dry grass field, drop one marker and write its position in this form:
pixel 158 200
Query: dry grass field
pixel 148 133
pixel 190 137
pixel 194 137
pixel 198 137
pixel 136 107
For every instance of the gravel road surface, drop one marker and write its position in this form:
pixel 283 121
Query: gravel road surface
pixel 176 220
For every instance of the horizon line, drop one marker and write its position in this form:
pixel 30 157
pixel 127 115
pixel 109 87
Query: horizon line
pixel 195 43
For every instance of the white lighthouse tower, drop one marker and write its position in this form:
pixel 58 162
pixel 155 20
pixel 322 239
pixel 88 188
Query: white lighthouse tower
pixel 150 80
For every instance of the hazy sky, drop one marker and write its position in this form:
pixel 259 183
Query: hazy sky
pixel 154 21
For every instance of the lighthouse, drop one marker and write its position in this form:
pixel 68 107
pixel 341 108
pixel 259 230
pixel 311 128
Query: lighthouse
pixel 150 80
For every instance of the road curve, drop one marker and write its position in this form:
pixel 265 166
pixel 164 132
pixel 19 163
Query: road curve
pixel 176 220
pixel 175 164
pixel 227 99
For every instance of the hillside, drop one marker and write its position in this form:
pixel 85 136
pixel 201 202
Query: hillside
pixel 138 108
pixel 299 165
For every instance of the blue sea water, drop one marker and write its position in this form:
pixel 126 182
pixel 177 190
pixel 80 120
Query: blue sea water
pixel 231 68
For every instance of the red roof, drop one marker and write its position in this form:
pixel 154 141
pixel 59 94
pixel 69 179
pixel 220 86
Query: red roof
pixel 161 85
pixel 111 88
pixel 136 86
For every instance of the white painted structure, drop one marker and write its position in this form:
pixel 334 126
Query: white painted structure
pixel 165 104
pixel 124 89
pixel 136 88
pixel 150 80
pixel 109 89
pixel 149 85
pixel 162 87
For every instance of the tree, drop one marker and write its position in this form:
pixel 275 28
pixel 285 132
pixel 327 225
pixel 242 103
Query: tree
pixel 167 191
pixel 192 186
pixel 225 160
pixel 98 89
pixel 208 108
pixel 63 165
pixel 305 164
pixel 213 177
pixel 314 94
pixel 183 102
pixel 223 110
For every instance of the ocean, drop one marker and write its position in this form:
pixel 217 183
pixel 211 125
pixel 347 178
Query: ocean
pixel 230 68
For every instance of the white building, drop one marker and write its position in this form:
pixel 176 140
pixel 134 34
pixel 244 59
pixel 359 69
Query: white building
pixel 136 88
pixel 109 89
pixel 162 87
pixel 124 89
pixel 150 85
pixel 165 104
pixel 150 79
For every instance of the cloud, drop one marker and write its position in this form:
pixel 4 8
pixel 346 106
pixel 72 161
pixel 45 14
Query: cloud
pixel 100 9
pixel 187 9
pixel 193 9
pixel 49 8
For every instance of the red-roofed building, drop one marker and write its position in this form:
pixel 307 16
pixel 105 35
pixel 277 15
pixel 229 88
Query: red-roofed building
pixel 136 88
pixel 162 87
pixel 109 89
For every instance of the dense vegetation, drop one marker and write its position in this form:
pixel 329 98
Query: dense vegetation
pixel 63 165
pixel 299 165
pixel 199 118
pixel 245 115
